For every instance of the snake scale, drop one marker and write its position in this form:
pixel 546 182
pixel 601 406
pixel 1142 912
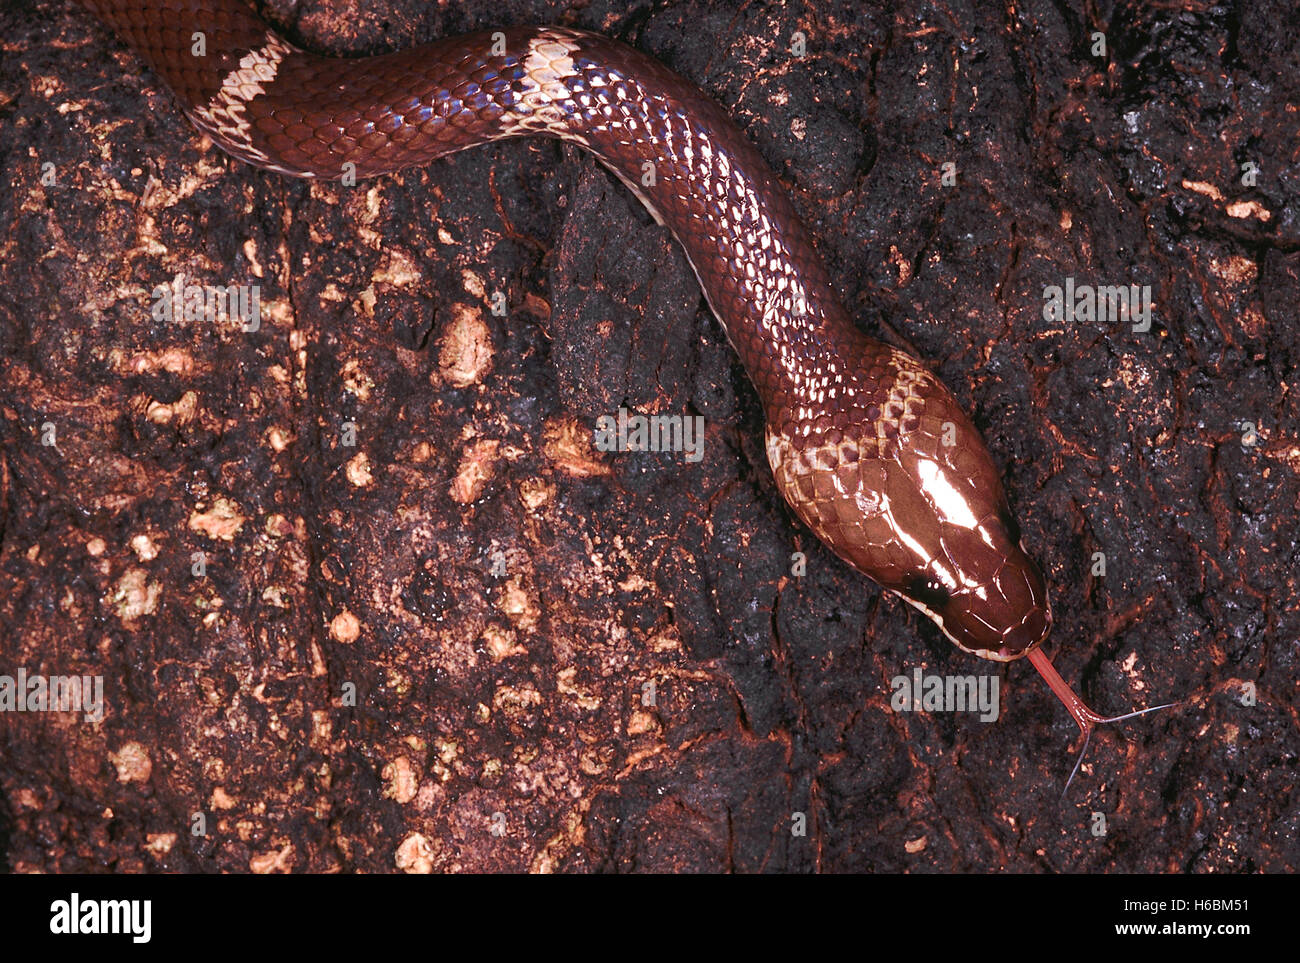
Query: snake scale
pixel 869 448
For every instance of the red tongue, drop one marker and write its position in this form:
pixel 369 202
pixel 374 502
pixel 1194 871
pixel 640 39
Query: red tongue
pixel 1083 715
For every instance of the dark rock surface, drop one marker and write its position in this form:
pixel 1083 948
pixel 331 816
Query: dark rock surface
pixel 498 594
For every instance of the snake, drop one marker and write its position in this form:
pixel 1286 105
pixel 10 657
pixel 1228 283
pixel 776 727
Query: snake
pixel 867 446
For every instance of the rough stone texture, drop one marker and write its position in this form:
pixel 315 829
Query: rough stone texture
pixel 499 594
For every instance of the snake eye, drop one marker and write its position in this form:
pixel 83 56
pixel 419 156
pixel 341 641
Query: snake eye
pixel 929 592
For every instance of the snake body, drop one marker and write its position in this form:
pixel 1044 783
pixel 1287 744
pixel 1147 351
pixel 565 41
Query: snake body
pixel 869 449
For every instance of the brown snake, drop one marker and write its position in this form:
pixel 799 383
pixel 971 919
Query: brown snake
pixel 871 451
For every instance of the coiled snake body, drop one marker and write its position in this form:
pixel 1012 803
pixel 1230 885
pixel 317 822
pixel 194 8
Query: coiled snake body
pixel 871 451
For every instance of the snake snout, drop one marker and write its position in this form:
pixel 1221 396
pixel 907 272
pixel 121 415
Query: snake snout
pixel 1001 618
pixel 1033 629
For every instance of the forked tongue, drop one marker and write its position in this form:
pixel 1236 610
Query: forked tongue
pixel 1083 715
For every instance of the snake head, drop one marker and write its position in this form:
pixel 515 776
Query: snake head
pixel 996 608
pixel 900 484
